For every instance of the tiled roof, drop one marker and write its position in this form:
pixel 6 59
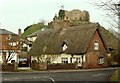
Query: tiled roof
pixel 4 31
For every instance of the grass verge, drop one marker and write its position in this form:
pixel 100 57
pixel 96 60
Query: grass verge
pixel 116 76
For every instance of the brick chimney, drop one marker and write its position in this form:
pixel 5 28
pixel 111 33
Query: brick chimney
pixel 20 47
pixel 67 23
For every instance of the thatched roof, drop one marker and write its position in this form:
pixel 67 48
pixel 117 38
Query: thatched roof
pixel 77 38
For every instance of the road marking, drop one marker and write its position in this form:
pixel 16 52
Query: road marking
pixel 6 79
pixel 16 78
pixel 97 74
pixel 52 80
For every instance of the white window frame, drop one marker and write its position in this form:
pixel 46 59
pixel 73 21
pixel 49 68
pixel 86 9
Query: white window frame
pixel 64 60
pixel 96 46
pixel 78 60
pixel 65 47
pixel 31 39
pixel 101 60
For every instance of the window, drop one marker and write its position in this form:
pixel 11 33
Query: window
pixel 9 37
pixel 44 48
pixel 31 39
pixel 24 48
pixel 70 60
pixel 65 46
pixel 110 49
pixel 101 60
pixel 13 43
pixel 64 60
pixel 78 60
pixel 96 46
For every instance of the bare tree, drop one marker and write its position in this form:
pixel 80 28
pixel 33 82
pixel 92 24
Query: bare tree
pixel 13 45
pixel 46 58
pixel 112 8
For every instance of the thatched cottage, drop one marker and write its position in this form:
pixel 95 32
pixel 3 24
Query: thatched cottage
pixel 87 45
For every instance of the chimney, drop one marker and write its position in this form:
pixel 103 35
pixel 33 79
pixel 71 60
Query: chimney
pixel 20 45
pixel 67 23
pixel 19 32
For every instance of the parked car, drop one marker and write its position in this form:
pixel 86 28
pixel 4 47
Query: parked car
pixel 23 62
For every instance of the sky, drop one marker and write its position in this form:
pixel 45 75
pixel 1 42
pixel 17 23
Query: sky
pixel 15 14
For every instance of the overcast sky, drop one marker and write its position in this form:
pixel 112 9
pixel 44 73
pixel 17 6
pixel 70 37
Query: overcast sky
pixel 15 14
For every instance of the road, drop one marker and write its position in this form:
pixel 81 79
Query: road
pixel 54 76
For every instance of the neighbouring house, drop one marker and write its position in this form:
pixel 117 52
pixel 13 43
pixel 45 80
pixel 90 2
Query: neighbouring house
pixel 9 46
pixel 30 34
pixel 25 46
pixel 87 44
pixel 32 37
pixel 12 46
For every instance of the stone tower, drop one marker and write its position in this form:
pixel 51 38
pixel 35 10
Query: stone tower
pixel 75 18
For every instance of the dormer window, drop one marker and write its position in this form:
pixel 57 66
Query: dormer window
pixel 64 46
pixel 110 49
pixel 44 48
pixel 96 46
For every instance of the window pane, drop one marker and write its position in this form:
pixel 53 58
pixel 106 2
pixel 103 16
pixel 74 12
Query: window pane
pixel 64 60
pixel 78 60
pixel 96 46
pixel 101 60
pixel 64 47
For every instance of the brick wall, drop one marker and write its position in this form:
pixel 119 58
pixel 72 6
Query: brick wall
pixel 38 66
pixel 8 67
pixel 44 66
pixel 61 66
pixel 92 56
pixel 5 42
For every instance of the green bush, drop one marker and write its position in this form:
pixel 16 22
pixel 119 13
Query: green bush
pixel 114 64
pixel 62 14
pixel 115 76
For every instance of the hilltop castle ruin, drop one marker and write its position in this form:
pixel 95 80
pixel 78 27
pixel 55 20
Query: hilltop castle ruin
pixel 73 18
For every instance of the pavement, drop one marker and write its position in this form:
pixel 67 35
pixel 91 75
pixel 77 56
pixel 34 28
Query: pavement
pixel 82 70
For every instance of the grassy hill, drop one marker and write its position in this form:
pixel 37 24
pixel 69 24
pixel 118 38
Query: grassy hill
pixel 32 28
